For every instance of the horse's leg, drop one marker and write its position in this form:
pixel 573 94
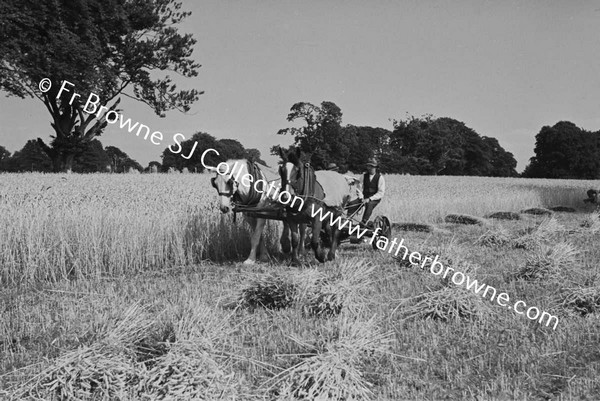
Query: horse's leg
pixel 264 254
pixel 295 243
pixel 316 240
pixel 285 238
pixel 257 229
pixel 251 259
pixel 302 228
pixel 335 237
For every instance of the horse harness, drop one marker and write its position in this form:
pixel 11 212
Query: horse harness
pixel 254 194
pixel 309 186
pixel 309 183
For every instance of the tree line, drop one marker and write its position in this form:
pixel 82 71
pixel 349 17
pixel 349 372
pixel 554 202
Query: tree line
pixel 416 145
pixel 438 146
pixel 95 158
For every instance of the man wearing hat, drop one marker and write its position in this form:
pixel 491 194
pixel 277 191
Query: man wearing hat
pixel 373 189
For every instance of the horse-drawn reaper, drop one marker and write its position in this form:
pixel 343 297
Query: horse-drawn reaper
pixel 298 197
pixel 328 196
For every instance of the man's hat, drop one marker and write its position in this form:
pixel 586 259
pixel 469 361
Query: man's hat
pixel 332 166
pixel 372 162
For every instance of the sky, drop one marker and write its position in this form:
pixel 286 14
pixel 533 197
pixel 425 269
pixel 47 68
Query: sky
pixel 504 68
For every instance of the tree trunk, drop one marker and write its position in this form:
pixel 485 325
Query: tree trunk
pixel 56 163
pixel 62 163
pixel 55 156
pixel 68 165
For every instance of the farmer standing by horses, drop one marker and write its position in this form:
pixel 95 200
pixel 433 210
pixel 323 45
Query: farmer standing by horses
pixel 373 189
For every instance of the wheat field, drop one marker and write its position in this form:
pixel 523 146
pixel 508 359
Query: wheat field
pixel 131 287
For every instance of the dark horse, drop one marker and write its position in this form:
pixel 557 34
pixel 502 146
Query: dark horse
pixel 321 192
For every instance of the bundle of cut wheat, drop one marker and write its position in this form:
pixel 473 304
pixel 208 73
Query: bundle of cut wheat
pixel 327 295
pixel 533 238
pixel 187 372
pixel 269 291
pixel 563 209
pixel 334 372
pixel 326 299
pixel 538 211
pixel 192 368
pixel 583 301
pixel 494 238
pixel 547 262
pixel 548 228
pixel 527 241
pixel 464 219
pixel 504 216
pixel 446 304
pixel 129 361
pixel 86 374
pixel 419 227
pixel 591 223
pixel 107 369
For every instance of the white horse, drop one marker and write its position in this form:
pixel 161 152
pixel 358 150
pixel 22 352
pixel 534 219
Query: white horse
pixel 250 184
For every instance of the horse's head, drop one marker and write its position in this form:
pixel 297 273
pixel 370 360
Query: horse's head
pixel 293 173
pixel 225 186
pixel 234 181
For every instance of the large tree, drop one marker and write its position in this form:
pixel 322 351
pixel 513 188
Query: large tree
pixel 426 146
pixel 94 159
pixel 445 146
pixel 153 167
pixel 231 149
pixel 502 162
pixel 108 48
pixel 120 161
pixel 365 143
pixel 321 136
pixel 254 156
pixel 565 151
pixel 190 153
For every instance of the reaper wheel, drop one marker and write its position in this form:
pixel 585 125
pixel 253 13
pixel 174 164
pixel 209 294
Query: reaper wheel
pixel 385 226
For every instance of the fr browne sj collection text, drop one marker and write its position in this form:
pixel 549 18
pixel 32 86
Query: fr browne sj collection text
pixel 111 117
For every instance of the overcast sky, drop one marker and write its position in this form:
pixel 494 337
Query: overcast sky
pixel 504 68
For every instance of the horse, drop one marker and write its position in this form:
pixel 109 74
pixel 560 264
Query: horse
pixel 326 190
pixel 257 188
